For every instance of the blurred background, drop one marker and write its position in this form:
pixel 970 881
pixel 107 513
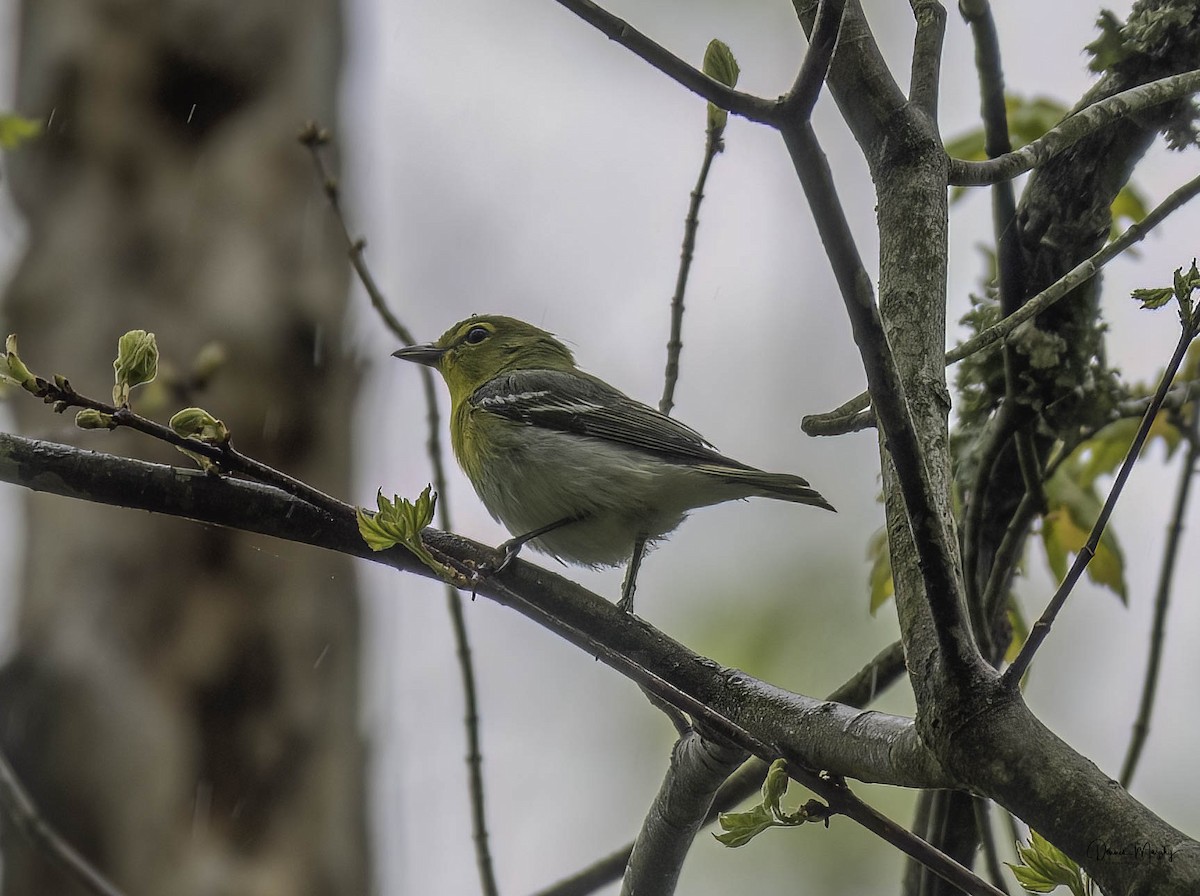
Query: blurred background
pixel 508 158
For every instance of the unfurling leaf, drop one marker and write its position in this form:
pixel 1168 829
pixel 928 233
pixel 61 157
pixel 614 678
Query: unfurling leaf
pixel 742 827
pixel 1044 868
pixel 719 65
pixel 400 521
pixel 136 363
pixel 197 423
pixel 13 369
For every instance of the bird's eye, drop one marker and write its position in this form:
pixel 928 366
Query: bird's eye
pixel 476 335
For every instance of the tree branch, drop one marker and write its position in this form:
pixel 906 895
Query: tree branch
pixel 24 814
pixel 859 691
pixel 850 417
pixel 1072 129
pixel 1041 628
pixel 1162 600
pixel 746 105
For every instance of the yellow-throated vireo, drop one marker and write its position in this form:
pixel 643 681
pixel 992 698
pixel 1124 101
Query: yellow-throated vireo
pixel 569 464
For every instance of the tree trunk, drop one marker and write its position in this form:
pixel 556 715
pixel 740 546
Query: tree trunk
pixel 183 701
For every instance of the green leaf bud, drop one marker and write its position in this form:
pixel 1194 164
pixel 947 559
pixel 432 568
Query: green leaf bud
pixel 136 363
pixel 90 418
pixel 197 423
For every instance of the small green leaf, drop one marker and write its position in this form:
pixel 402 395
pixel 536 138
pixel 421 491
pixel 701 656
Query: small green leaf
pixel 719 65
pixel 742 827
pixel 400 521
pixel 15 130
pixel 1153 298
pixel 136 363
pixel 1044 868
pixel 197 423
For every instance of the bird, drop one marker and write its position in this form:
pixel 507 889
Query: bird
pixel 569 464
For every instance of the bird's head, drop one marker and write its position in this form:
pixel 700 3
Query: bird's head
pixel 479 348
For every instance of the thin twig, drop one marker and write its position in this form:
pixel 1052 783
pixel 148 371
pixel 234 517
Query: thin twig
pixel 1162 599
pixel 314 137
pixel 1041 628
pixel 713 145
pixel 25 815
pixel 1073 129
pixel 755 108
pixel 835 421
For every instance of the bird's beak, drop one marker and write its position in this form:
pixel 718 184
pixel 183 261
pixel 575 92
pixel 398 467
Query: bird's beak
pixel 427 354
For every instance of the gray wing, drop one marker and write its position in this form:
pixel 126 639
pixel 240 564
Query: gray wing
pixel 580 403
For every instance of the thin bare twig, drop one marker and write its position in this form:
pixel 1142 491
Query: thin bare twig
pixel 1041 628
pixel 314 137
pixel 755 108
pixel 1162 600
pixel 714 144
pixel 835 422
pixel 25 815
pixel 1073 129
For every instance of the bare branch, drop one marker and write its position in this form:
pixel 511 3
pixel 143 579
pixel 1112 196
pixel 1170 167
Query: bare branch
pixel 315 137
pixel 29 821
pixel 1041 628
pixel 1073 129
pixel 1162 600
pixel 747 105
pixel 850 417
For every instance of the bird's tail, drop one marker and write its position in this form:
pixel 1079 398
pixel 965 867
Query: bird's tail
pixel 783 486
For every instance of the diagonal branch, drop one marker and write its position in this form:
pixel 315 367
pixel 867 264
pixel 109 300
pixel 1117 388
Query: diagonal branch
pixel 24 814
pixel 859 691
pixel 800 100
pixel 755 108
pixel 1041 628
pixel 848 417
pixel 1162 600
pixel 1074 128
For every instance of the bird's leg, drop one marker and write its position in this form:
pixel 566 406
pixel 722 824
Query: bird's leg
pixel 631 573
pixel 513 546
